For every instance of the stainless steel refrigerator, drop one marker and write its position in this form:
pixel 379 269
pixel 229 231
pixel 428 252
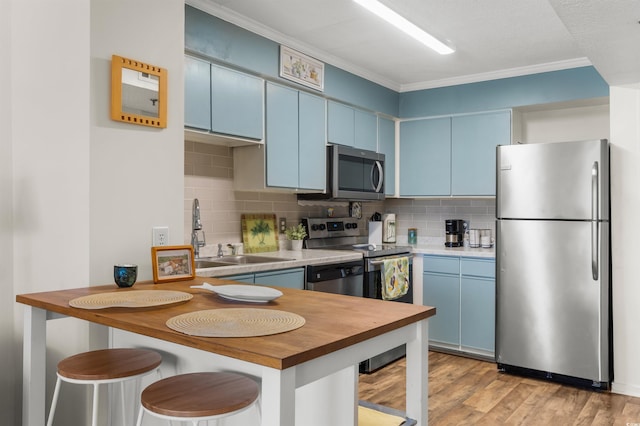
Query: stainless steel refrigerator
pixel 553 314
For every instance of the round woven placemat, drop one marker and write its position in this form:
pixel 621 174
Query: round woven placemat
pixel 130 299
pixel 235 322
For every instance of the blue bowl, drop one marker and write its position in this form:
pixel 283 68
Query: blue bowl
pixel 125 275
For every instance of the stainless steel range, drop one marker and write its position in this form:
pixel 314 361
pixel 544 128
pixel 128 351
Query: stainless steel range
pixel 362 279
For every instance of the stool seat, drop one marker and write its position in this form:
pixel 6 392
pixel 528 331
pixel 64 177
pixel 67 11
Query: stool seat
pixel 102 367
pixel 109 364
pixel 200 395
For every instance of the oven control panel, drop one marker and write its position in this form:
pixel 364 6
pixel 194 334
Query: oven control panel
pixel 329 227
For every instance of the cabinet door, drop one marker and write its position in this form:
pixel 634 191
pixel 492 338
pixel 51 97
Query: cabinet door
pixel 243 278
pixel 387 146
pixel 443 292
pixel 312 142
pixel 340 123
pixel 365 130
pixel 425 157
pixel 291 278
pixel 236 103
pixel 473 145
pixel 282 136
pixel 477 313
pixel 197 93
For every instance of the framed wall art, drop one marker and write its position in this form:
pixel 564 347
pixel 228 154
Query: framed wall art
pixel 172 263
pixel 302 69
pixel 259 233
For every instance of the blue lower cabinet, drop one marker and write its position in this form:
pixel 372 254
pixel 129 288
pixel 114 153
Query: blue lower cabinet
pixel 462 289
pixel 477 313
pixel 244 278
pixel 291 278
pixel 443 292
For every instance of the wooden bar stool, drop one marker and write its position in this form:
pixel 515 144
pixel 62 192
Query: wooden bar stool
pixel 104 366
pixel 199 397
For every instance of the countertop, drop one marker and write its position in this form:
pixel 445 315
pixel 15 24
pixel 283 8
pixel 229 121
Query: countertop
pixel 324 331
pixel 441 249
pixel 301 258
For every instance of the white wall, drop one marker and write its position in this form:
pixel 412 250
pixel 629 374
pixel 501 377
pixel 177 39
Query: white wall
pixel 562 124
pixel 8 344
pixel 50 159
pixel 83 191
pixel 625 211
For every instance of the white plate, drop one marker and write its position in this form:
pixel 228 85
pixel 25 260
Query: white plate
pixel 241 292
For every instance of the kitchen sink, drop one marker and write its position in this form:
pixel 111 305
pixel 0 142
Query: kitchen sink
pixel 243 259
pixel 201 264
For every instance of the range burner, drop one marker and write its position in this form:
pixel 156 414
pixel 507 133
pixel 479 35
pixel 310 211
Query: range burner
pixel 344 234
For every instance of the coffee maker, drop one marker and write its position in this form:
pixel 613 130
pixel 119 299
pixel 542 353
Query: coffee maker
pixel 454 232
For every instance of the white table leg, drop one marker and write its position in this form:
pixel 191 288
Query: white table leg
pixel 34 366
pixel 418 375
pixel 278 397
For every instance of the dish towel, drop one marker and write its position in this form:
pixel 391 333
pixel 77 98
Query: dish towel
pixel 395 277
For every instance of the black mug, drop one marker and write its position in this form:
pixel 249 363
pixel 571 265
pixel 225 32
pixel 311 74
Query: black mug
pixel 125 274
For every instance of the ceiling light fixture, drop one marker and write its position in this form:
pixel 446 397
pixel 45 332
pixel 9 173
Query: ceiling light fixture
pixel 374 6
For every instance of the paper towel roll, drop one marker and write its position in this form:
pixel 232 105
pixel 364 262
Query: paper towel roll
pixel 375 233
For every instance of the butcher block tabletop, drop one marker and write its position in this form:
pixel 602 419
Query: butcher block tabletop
pixel 331 322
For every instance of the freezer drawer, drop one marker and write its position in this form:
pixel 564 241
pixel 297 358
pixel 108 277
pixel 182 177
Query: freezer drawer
pixel 567 180
pixel 551 314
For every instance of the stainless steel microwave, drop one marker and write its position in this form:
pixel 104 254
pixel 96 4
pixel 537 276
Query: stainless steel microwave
pixel 352 174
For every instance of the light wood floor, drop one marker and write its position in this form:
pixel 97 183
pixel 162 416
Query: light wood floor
pixel 465 391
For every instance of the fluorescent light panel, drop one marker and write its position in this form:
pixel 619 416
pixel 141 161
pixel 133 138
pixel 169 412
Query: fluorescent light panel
pixel 403 24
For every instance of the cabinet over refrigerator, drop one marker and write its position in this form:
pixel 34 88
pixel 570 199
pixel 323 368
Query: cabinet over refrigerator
pixel 553 313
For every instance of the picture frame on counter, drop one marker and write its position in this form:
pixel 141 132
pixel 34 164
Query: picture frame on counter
pixel 172 263
pixel 302 69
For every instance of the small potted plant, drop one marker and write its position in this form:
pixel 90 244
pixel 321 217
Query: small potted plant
pixel 296 234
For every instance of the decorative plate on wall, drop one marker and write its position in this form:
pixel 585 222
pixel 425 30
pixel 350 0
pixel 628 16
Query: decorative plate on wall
pixel 259 233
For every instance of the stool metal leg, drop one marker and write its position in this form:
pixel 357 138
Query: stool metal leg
pixel 94 415
pixel 54 402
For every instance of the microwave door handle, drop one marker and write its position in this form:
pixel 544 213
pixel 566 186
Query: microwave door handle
pixel 377 187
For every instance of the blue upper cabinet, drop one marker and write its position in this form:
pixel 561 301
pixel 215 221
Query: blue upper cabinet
pixel 452 156
pixel 282 136
pixel 312 142
pixel 425 157
pixel 236 103
pixel 340 124
pixel 387 146
pixel 295 143
pixel 473 150
pixel 197 93
pixel 365 130
pixel 351 127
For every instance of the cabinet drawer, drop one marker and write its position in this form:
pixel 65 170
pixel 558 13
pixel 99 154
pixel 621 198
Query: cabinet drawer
pixel 478 267
pixel 442 264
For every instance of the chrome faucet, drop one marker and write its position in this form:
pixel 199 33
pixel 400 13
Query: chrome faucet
pixel 196 225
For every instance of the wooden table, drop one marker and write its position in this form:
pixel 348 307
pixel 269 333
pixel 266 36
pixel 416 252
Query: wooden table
pixel 340 331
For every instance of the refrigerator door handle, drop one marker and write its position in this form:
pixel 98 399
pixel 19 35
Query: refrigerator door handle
pixel 595 200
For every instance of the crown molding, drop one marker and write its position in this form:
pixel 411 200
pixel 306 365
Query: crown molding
pixel 242 21
pixel 496 75
pixel 256 27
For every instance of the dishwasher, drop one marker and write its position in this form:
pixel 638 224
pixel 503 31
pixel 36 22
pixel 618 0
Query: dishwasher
pixel 340 278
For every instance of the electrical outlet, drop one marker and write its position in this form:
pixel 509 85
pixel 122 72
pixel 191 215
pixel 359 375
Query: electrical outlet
pixel 283 224
pixel 160 236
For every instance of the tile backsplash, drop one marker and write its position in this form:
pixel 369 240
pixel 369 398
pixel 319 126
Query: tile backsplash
pixel 428 216
pixel 209 177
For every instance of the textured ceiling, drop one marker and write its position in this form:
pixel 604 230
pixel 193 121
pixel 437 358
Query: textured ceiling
pixel 492 38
